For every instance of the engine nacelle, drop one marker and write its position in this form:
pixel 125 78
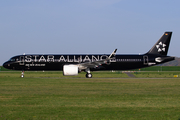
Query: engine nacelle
pixel 70 70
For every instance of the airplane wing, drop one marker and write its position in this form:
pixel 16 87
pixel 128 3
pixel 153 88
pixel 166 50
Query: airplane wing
pixel 95 64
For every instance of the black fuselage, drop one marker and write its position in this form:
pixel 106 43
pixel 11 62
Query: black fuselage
pixel 56 62
pixel 72 64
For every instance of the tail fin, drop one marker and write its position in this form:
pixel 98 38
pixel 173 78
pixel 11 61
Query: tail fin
pixel 162 45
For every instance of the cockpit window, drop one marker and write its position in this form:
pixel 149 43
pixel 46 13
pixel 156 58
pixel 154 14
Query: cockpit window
pixel 12 59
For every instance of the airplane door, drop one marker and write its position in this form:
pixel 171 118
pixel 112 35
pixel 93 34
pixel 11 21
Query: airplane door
pixel 145 60
pixel 21 60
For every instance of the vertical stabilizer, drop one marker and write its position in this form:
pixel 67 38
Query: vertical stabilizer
pixel 162 45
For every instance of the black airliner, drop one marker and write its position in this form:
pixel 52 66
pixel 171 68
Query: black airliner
pixel 73 64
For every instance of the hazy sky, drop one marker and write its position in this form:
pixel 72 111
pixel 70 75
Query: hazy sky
pixel 86 26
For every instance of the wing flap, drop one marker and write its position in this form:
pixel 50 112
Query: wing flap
pixel 95 64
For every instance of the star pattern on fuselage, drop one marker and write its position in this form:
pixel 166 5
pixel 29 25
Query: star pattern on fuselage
pixel 161 47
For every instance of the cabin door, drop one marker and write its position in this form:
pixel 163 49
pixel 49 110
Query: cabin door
pixel 21 60
pixel 145 60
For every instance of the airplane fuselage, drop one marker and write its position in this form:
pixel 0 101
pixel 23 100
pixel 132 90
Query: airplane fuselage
pixel 73 64
pixel 56 62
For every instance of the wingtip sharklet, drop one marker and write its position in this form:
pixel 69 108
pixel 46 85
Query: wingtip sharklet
pixel 115 50
pixel 113 54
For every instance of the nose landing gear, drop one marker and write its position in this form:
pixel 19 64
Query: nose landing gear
pixel 22 74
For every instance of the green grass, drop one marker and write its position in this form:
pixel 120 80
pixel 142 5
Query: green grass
pixel 151 74
pixel 160 68
pixel 49 95
pixel 3 69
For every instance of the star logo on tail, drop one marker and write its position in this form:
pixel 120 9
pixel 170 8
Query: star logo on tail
pixel 161 47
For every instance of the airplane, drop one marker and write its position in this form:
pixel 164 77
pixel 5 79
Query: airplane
pixel 73 64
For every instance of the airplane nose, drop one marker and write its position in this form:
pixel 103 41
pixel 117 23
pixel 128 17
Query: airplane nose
pixel 5 65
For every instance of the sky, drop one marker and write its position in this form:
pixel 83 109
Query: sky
pixel 86 26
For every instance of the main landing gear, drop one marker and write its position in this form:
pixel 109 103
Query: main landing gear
pixel 22 74
pixel 88 74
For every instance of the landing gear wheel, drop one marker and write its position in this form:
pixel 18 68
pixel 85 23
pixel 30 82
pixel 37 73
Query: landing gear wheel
pixel 88 75
pixel 22 74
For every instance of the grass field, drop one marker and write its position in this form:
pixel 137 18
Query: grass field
pixel 49 95
pixel 160 68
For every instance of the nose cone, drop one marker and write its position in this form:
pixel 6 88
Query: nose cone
pixel 5 65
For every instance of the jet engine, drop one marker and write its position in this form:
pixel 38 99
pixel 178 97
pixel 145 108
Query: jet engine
pixel 70 70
